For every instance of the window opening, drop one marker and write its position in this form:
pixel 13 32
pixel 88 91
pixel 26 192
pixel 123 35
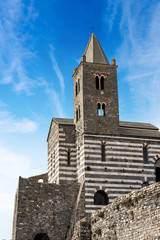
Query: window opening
pixel 41 236
pixel 157 170
pixel 145 154
pixel 103 151
pixel 103 109
pixel 101 198
pixel 76 89
pixel 40 180
pixel 68 157
pixel 102 82
pixel 97 82
pixel 76 115
pixel 99 109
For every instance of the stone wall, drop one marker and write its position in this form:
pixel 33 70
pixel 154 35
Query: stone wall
pixel 43 208
pixel 135 216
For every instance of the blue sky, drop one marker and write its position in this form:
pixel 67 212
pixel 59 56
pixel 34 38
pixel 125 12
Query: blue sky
pixel 40 44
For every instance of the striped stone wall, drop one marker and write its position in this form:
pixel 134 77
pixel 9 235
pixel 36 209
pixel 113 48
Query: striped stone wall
pixel 67 172
pixel 53 154
pixel 123 169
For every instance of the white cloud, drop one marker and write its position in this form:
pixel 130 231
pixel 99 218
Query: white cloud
pixel 139 53
pixel 56 98
pixel 9 124
pixel 13 51
pixel 56 69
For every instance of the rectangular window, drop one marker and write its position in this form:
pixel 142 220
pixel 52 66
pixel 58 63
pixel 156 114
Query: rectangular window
pixel 145 154
pixel 68 157
pixel 103 152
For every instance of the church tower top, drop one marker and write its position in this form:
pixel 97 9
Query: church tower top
pixel 94 52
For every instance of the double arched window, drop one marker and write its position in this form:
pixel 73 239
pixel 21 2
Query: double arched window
pixel 99 82
pixel 101 109
pixel 101 198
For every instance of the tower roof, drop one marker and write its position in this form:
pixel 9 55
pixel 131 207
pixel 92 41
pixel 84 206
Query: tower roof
pixel 94 52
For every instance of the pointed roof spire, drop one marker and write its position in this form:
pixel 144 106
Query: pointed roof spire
pixel 94 52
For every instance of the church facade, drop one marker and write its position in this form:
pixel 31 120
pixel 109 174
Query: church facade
pixel 92 158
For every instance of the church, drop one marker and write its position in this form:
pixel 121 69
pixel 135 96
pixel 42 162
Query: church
pixel 92 159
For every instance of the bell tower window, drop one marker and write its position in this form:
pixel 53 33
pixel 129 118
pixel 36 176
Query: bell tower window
pixel 102 82
pixel 97 82
pixel 101 109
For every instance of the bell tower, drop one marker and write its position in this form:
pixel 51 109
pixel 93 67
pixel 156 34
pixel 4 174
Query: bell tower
pixel 96 108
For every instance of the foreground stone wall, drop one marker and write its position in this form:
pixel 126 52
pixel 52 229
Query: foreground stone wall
pixel 135 216
pixel 43 208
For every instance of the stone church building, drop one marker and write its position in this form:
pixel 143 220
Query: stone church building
pixel 92 158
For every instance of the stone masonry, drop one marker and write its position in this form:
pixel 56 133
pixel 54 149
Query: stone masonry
pixel 135 216
pixel 44 208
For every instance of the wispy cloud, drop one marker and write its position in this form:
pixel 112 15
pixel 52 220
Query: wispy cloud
pixel 55 97
pixel 139 53
pixel 9 124
pixel 13 51
pixel 56 69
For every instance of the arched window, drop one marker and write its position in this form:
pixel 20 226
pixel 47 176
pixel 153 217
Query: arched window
pixel 103 109
pixel 97 82
pixel 41 236
pixel 100 198
pixel 157 170
pixel 76 90
pixel 102 82
pixel 68 157
pixel 99 109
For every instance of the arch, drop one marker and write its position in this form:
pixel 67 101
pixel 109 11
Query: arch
pixel 41 236
pixel 97 82
pixel 157 170
pixel 40 180
pixel 101 198
pixel 102 82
